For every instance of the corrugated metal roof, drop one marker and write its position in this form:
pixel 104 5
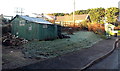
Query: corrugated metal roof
pixel 36 20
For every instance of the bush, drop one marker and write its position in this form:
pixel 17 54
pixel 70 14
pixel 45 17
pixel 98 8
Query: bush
pixel 95 27
pixel 84 25
pixel 98 28
pixel 117 28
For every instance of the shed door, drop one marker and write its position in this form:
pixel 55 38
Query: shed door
pixel 32 31
pixel 42 31
pixel 29 31
pixel 35 31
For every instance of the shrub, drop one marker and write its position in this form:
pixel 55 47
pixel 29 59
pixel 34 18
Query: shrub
pixel 95 27
pixel 84 25
pixel 98 28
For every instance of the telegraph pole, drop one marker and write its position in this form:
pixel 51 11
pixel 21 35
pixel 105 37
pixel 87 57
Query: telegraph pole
pixel 74 12
pixel 119 11
pixel 19 11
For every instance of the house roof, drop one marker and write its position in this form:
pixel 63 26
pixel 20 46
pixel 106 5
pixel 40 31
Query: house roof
pixel 70 18
pixel 50 17
pixel 36 20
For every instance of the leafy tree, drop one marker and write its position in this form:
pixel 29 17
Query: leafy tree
pixel 80 12
pixel 58 14
pixel 111 14
pixel 66 13
pixel 97 15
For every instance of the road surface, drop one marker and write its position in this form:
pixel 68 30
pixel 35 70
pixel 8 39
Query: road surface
pixel 110 62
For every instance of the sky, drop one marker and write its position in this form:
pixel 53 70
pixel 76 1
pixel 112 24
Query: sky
pixel 8 7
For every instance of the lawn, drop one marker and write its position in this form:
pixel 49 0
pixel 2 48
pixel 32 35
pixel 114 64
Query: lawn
pixel 48 49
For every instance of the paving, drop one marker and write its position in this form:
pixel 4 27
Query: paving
pixel 110 62
pixel 77 59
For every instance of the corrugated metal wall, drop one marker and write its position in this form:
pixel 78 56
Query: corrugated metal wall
pixel 14 26
pixel 50 32
pixel 30 31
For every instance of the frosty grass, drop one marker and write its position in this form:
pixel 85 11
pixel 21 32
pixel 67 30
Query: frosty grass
pixel 48 49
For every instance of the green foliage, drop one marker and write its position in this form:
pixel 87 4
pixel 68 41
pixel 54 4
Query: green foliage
pixel 58 14
pixel 84 24
pixel 97 15
pixel 111 14
pixel 80 12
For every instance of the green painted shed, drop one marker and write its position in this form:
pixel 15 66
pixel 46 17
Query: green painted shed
pixel 32 28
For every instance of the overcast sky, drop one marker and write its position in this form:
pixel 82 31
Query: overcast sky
pixel 8 7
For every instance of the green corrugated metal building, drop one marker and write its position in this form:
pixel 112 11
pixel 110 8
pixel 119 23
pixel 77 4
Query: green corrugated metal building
pixel 33 28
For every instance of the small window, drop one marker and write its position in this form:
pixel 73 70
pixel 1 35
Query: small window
pixel 30 28
pixel 22 23
pixel 45 26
